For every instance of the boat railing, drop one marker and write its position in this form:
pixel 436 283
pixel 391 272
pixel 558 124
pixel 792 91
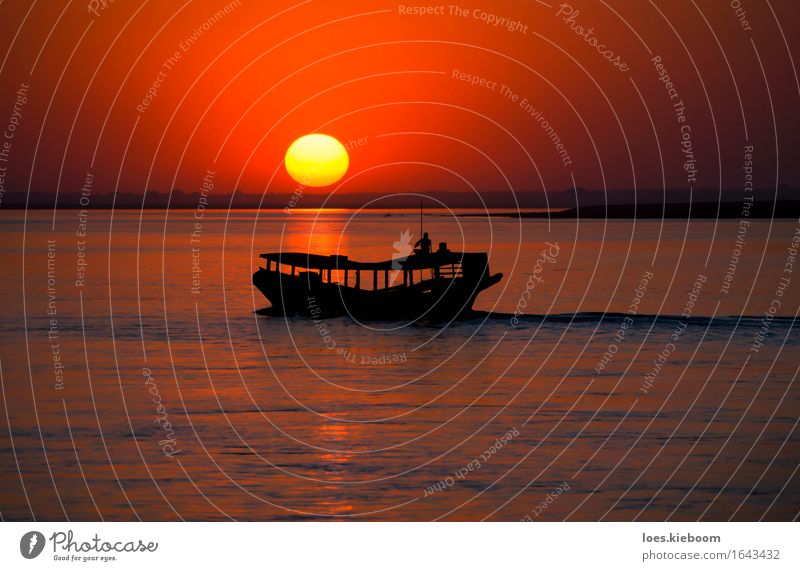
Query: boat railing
pixel 379 277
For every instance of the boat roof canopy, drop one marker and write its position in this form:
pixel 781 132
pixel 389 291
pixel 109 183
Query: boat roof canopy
pixel 334 262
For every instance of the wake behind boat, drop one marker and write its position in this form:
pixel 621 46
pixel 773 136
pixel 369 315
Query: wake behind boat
pixel 439 285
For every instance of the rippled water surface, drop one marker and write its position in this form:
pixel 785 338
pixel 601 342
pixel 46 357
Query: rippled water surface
pixel 601 402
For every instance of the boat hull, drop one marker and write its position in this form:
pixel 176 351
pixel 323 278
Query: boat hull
pixel 308 296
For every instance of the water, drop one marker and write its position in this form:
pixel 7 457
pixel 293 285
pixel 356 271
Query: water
pixel 565 412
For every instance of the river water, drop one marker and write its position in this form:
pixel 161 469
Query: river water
pixel 620 370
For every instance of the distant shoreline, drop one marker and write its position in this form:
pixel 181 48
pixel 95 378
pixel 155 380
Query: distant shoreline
pixel 525 200
pixel 782 209
pixel 698 210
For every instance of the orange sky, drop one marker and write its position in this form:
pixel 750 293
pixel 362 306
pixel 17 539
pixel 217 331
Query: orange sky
pixel 265 73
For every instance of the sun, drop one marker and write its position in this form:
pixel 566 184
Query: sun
pixel 316 160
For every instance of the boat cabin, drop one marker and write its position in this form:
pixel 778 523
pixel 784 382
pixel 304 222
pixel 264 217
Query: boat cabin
pixel 339 270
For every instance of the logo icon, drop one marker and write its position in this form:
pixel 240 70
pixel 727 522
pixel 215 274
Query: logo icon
pixel 31 544
pixel 402 250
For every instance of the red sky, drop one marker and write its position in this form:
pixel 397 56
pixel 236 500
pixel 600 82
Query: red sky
pixel 261 75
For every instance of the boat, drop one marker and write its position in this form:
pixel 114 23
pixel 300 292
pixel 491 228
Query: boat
pixel 424 286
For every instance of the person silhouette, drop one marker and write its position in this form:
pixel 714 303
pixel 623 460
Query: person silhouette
pixel 424 244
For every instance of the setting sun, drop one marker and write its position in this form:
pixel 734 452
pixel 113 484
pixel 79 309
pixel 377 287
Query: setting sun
pixel 316 160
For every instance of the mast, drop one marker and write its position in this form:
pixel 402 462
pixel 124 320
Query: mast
pixel 420 218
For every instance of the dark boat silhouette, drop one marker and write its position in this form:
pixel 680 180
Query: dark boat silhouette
pixel 440 285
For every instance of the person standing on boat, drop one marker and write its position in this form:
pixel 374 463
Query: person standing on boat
pixel 424 244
